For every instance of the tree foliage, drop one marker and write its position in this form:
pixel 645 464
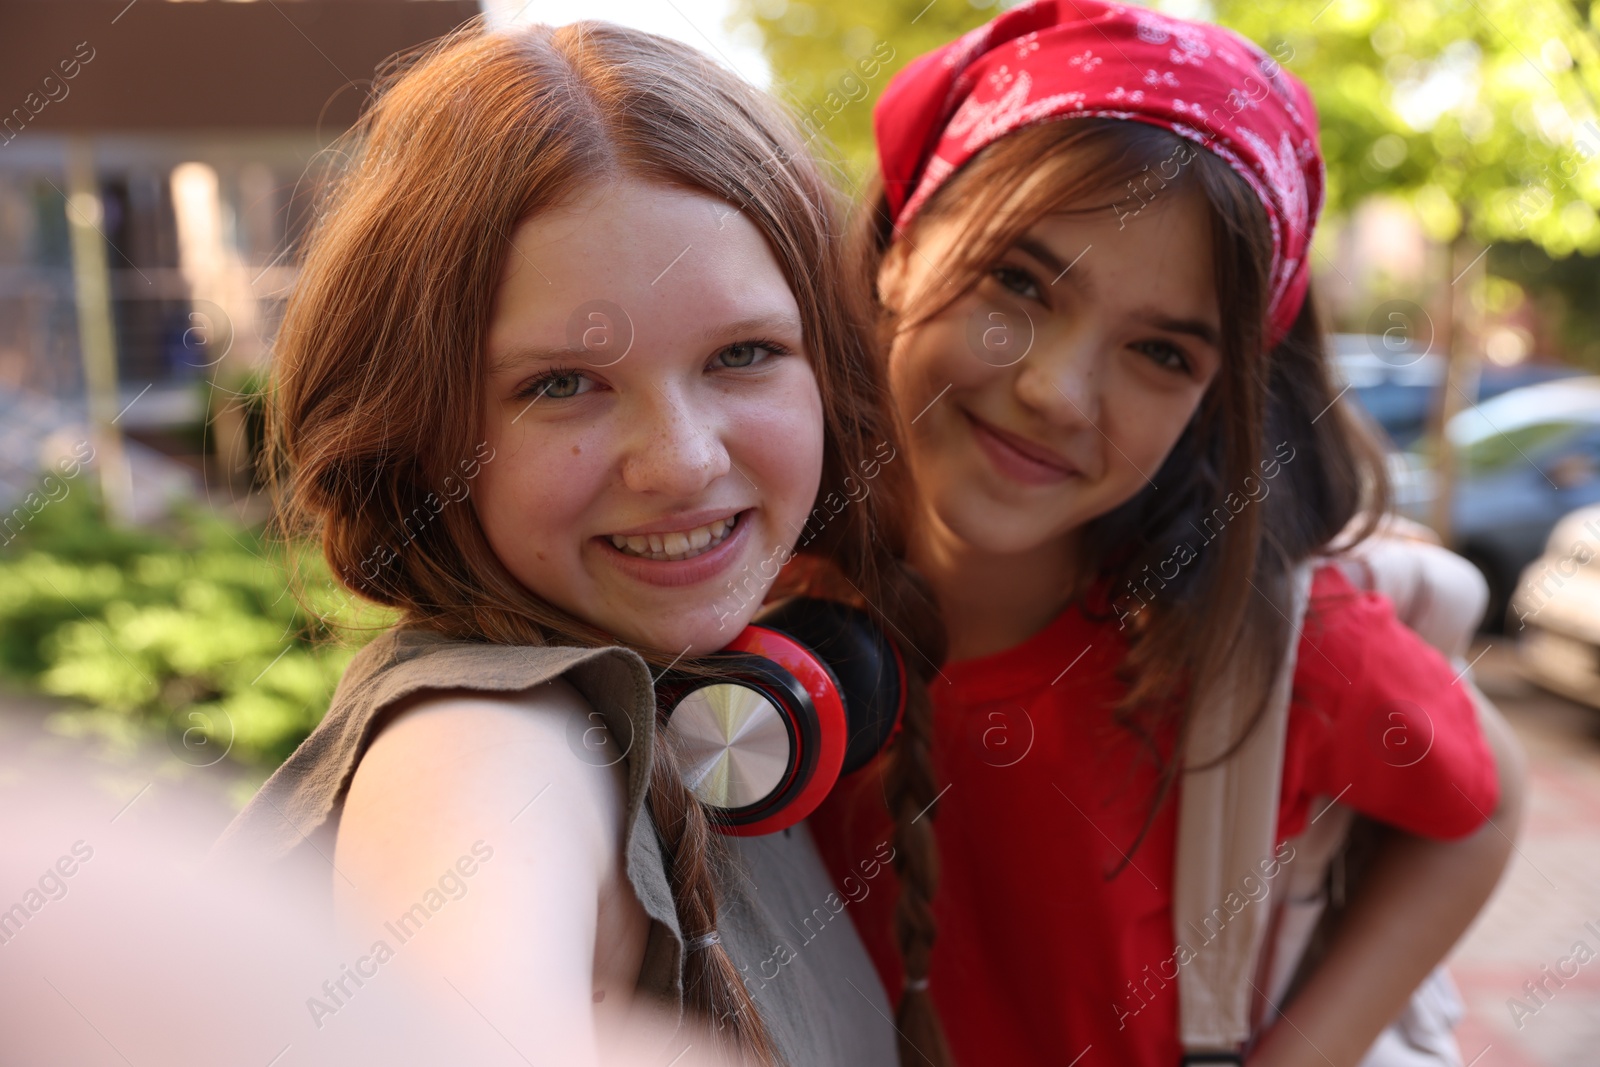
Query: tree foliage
pixel 1480 113
pixel 831 59
pixel 206 631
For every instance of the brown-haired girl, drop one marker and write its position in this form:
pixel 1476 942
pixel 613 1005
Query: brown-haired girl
pixel 565 378
pixel 1090 247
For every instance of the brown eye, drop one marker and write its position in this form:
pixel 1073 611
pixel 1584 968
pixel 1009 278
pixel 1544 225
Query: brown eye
pixel 1017 280
pixel 1164 354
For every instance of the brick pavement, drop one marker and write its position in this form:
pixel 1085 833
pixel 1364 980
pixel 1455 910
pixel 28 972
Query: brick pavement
pixel 1539 913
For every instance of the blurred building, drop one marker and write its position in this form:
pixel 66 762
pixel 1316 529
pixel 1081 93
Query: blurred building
pixel 184 139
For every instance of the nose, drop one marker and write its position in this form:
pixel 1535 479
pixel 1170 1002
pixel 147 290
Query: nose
pixel 1062 378
pixel 673 450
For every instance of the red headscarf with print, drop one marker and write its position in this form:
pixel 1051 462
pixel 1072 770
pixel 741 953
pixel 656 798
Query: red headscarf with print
pixel 1057 59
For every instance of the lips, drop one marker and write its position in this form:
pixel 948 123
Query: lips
pixel 1018 457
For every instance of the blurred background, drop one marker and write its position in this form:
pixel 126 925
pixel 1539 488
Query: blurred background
pixel 159 159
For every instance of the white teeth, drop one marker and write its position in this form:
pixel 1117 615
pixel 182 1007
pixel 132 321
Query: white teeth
pixel 678 544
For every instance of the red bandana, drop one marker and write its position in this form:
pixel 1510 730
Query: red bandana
pixel 1084 58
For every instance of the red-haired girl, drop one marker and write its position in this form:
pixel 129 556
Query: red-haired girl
pixel 1091 244
pixel 566 376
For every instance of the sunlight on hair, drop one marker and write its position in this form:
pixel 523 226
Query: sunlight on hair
pixel 701 23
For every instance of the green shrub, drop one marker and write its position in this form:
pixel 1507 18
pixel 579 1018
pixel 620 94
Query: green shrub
pixel 194 630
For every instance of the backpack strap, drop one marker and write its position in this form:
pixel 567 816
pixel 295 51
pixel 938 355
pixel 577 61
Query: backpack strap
pixel 1441 597
pixel 1227 821
pixel 1238 958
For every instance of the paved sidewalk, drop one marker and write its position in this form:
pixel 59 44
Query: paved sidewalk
pixel 1536 925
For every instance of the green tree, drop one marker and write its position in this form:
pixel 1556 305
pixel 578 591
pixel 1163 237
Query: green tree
pixel 830 59
pixel 1481 113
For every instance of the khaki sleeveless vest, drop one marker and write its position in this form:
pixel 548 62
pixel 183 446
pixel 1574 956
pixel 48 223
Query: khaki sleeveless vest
pixel 780 919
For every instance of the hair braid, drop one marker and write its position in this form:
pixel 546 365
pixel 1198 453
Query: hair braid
pixel 711 982
pixel 911 789
pixel 903 604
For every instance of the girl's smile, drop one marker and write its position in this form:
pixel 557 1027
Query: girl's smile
pixel 1018 458
pixel 667 541
pixel 669 554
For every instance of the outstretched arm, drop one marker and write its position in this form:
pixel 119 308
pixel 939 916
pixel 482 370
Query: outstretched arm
pixel 1418 898
pixel 453 777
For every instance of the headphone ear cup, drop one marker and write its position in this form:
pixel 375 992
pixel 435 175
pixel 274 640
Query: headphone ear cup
pixel 747 739
pixel 810 693
pixel 769 677
pixel 864 662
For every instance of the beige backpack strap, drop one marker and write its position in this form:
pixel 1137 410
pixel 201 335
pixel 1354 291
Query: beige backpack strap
pixel 1300 895
pixel 1227 819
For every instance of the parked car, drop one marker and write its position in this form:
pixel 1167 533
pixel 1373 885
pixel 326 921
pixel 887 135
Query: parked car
pixel 1524 459
pixel 1400 385
pixel 1556 610
pixel 1392 381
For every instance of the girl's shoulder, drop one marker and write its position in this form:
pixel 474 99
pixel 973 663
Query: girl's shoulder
pixel 459 756
pixel 507 774
pixel 1382 719
pixel 524 750
pixel 407 660
pixel 605 707
pixel 1347 627
pixel 468 724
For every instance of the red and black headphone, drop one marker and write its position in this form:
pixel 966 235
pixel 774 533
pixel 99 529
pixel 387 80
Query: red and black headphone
pixel 811 693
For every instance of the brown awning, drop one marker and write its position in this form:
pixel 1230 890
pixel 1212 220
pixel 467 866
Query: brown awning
pixel 160 65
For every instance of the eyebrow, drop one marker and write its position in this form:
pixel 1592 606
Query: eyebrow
pixel 1193 327
pixel 1084 283
pixel 740 329
pixel 1045 255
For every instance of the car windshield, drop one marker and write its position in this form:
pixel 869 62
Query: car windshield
pixel 1499 450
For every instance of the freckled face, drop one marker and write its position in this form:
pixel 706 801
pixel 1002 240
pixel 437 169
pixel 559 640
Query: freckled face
pixel 656 423
pixel 1053 391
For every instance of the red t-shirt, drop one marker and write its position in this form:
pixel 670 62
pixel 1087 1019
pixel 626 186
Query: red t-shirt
pixel 1038 947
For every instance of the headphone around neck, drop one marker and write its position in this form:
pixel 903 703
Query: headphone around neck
pixel 811 693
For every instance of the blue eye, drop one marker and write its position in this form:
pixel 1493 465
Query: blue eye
pixel 749 353
pixel 564 383
pixel 561 383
